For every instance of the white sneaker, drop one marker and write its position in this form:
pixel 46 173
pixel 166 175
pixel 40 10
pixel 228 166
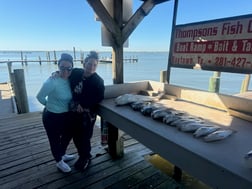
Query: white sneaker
pixel 68 157
pixel 63 167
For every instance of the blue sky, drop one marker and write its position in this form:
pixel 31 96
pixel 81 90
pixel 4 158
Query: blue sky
pixel 64 24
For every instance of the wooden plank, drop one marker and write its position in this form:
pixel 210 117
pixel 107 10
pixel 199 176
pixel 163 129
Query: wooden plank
pixel 134 181
pixel 99 172
pixel 239 114
pixel 126 179
pixel 112 91
pixel 191 95
pixel 237 103
pixel 104 16
pixel 135 20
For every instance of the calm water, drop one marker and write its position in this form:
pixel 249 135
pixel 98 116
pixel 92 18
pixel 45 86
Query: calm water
pixel 148 67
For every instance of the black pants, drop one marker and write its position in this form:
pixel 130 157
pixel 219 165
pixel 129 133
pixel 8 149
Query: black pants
pixel 83 132
pixel 59 132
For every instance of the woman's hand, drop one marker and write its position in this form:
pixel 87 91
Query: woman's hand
pixel 55 75
pixel 79 109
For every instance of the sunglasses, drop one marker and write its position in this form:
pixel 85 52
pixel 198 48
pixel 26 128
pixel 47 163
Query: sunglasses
pixel 62 68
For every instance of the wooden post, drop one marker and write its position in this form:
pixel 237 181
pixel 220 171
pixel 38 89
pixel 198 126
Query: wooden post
pixel 20 91
pixel 22 58
pixel 104 132
pixel 39 60
pixel 55 57
pixel 25 60
pixel 74 53
pixel 115 142
pixel 11 76
pixel 163 75
pixel 82 57
pixel 117 65
pixel 48 56
pixel 214 82
pixel 9 64
pixel 245 83
pixel 174 20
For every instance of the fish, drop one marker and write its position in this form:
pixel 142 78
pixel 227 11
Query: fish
pixel 173 116
pixel 137 106
pixel 146 110
pixel 205 130
pixel 167 119
pixel 159 113
pixel 179 113
pixel 130 98
pixel 248 159
pixel 218 135
pixel 184 120
pixel 248 155
pixel 179 121
pixel 190 126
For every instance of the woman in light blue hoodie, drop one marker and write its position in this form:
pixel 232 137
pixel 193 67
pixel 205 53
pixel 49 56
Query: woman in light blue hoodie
pixel 56 95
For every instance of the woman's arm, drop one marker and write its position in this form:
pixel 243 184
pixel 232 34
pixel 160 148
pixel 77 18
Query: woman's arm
pixel 45 90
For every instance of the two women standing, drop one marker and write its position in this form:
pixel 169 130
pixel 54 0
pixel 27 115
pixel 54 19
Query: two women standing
pixel 71 100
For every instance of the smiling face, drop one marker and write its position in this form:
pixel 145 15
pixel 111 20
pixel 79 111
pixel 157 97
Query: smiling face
pixel 65 69
pixel 90 66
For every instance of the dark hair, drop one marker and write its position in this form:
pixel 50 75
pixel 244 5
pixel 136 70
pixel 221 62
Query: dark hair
pixel 92 55
pixel 65 57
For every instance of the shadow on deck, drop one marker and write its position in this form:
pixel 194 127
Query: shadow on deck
pixel 26 161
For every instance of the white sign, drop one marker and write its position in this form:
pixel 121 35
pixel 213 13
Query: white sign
pixel 219 45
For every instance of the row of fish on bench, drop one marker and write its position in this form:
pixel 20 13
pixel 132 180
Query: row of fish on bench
pixel 185 122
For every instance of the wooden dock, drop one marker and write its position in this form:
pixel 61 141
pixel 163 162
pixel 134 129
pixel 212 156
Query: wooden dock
pixel 26 161
pixel 6 100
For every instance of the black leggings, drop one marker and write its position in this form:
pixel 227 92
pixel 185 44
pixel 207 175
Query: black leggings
pixel 58 131
pixel 83 131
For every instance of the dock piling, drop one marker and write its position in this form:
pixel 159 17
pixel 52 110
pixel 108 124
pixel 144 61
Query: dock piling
pixel 245 84
pixel 214 82
pixel 55 57
pixel 20 91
